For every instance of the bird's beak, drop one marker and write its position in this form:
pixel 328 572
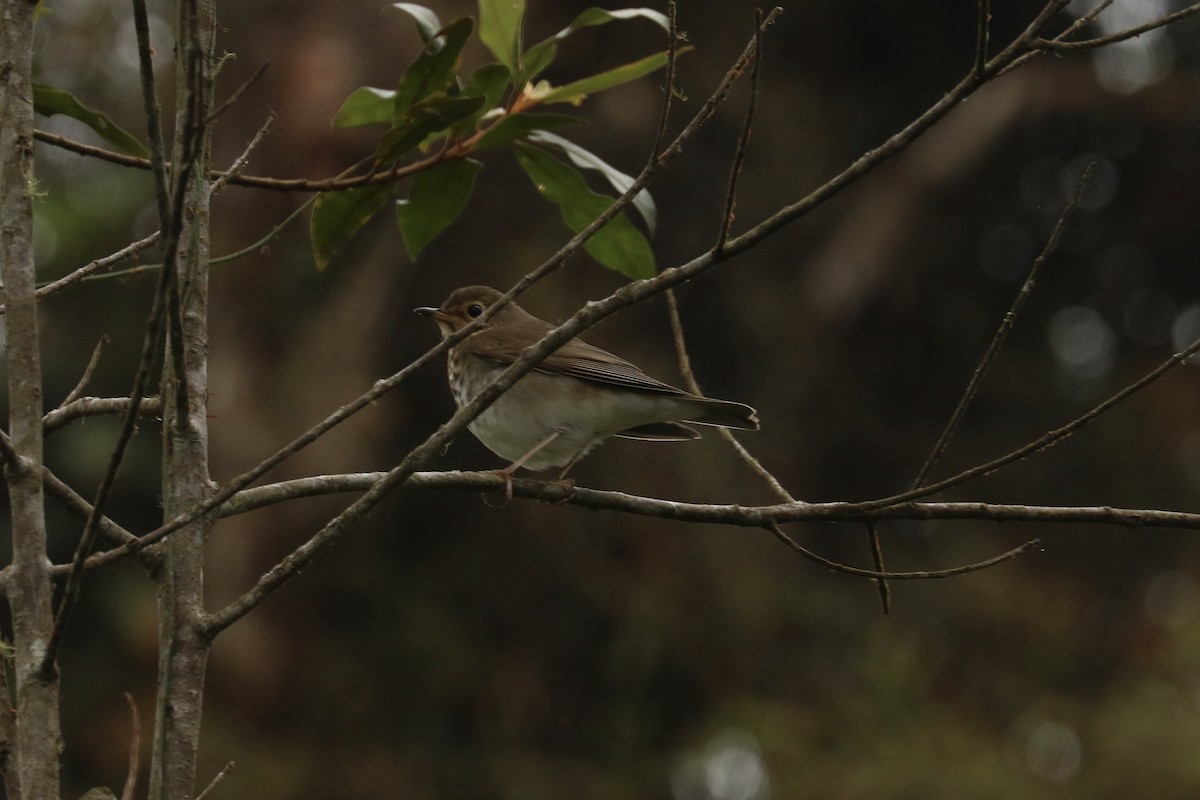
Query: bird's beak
pixel 426 311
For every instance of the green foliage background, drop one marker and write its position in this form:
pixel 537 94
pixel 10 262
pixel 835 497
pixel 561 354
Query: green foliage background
pixel 450 649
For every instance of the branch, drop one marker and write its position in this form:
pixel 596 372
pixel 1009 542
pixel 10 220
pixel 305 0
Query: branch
pixel 553 492
pixel 1002 332
pixel 97 406
pixel 883 577
pixel 1058 45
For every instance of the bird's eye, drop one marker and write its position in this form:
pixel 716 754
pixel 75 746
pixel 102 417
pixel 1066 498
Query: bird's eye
pixel 474 310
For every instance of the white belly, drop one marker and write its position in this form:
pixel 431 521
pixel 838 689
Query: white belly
pixel 580 413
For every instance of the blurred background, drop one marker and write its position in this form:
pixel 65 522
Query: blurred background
pixel 449 649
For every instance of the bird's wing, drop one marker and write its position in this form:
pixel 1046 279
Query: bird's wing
pixel 576 358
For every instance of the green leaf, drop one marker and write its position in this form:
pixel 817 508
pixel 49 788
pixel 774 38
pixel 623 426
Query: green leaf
pixel 428 23
pixel 366 105
pixel 575 92
pixel 500 30
pixel 48 100
pixel 618 245
pixel 437 197
pixel 586 159
pixel 431 115
pixel 520 126
pixel 338 215
pixel 488 81
pixel 542 54
pixel 436 69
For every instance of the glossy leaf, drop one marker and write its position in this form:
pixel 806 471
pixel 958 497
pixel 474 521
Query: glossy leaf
pixel 575 92
pixel 500 30
pixel 436 69
pixel 586 159
pixel 430 116
pixel 48 100
pixel 427 21
pixel 618 245
pixel 366 105
pixel 520 126
pixel 490 81
pixel 542 54
pixel 338 215
pixel 437 197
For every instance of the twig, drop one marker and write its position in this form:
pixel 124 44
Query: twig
pixel 216 779
pixel 885 591
pixel 669 95
pixel 552 492
pixel 95 407
pixel 237 94
pixel 85 378
pixel 883 577
pixel 239 163
pixel 1002 332
pixel 739 153
pixel 1047 439
pixel 982 29
pixel 1057 44
pixel 135 745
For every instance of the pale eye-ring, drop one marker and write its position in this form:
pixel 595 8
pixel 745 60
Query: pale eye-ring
pixel 474 310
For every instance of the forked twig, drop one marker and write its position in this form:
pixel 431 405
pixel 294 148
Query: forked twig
pixel 1001 334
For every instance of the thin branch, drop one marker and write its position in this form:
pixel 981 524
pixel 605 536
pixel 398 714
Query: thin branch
pixel 85 378
pixel 237 94
pixel 96 407
pixel 1002 332
pixel 739 153
pixel 884 577
pixel 669 95
pixel 745 516
pixel 1058 45
pixel 982 29
pixel 339 183
pixel 216 779
pixel 885 591
pixel 135 745
pixel 1047 439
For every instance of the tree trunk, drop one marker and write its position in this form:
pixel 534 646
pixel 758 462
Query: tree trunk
pixel 183 649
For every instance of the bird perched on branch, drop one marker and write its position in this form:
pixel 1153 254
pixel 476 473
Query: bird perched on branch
pixel 573 400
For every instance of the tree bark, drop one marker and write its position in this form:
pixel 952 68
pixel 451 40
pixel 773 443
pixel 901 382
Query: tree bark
pixel 29 591
pixel 183 647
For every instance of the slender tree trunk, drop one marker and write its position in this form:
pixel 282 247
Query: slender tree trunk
pixel 29 590
pixel 183 649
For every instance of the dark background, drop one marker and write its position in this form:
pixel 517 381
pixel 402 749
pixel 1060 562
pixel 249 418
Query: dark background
pixel 450 649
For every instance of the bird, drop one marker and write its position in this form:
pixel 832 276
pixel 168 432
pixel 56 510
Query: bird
pixel 576 398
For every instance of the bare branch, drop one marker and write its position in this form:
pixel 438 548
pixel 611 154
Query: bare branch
pixel 1002 332
pixel 883 577
pixel 85 378
pixel 553 492
pixel 96 406
pixel 135 746
pixel 982 28
pixel 216 779
pixel 1057 44
pixel 739 153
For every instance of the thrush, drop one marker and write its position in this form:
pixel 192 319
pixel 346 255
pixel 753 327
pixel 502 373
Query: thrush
pixel 572 401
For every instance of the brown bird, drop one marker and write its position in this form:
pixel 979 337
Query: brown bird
pixel 572 401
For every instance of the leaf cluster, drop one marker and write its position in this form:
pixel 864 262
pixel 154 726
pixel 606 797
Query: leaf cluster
pixel 438 120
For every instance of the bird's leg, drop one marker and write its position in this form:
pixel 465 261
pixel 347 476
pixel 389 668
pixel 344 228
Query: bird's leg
pixel 507 472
